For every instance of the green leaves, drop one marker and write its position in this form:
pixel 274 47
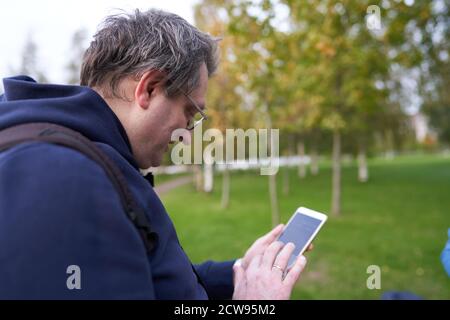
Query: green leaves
pixel 327 70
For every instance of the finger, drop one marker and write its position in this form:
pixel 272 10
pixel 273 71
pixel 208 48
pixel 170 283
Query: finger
pixel 293 274
pixel 273 234
pixel 310 247
pixel 283 257
pixel 254 269
pixel 270 254
pixel 255 263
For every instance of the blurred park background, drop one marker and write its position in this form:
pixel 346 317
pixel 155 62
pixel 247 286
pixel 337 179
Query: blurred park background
pixel 360 95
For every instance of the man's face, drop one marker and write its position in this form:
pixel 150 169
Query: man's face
pixel 150 129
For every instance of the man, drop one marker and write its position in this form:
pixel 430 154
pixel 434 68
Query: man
pixel 144 75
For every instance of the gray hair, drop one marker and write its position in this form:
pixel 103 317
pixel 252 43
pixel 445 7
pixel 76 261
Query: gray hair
pixel 131 44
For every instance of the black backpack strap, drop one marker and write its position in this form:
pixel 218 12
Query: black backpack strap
pixel 60 135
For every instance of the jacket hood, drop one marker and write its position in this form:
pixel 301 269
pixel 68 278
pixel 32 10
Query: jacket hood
pixel 76 107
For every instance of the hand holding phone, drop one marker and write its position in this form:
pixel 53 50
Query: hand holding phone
pixel 301 229
pixel 259 277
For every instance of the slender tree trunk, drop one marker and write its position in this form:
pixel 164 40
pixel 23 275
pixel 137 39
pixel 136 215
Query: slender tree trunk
pixel 301 165
pixel 314 162
pixel 272 178
pixel 363 172
pixel 379 143
pixel 336 191
pixel 226 188
pixel 208 176
pixel 197 177
pixel 389 138
pixel 287 168
pixel 274 200
pixel 286 181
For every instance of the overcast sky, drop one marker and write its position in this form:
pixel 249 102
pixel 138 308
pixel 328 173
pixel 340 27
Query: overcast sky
pixel 52 23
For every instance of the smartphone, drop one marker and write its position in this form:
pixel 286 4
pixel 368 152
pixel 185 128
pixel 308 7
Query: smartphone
pixel 301 230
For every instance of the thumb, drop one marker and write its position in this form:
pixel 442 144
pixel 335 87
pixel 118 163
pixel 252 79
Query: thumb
pixel 238 274
pixel 239 283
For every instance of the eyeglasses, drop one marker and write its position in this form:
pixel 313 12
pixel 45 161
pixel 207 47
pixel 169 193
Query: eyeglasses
pixel 198 118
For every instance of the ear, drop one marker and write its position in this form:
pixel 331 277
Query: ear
pixel 147 84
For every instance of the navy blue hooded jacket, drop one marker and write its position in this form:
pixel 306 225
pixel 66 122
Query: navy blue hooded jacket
pixel 58 209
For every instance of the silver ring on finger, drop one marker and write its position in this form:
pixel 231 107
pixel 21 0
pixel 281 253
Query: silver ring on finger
pixel 278 267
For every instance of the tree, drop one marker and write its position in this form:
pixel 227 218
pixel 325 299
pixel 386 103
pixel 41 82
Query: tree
pixel 327 74
pixel 349 61
pixel 29 65
pixel 435 79
pixel 77 49
pixel 258 42
pixel 229 108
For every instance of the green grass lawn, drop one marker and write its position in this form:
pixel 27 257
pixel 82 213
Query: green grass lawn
pixel 163 178
pixel 398 221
